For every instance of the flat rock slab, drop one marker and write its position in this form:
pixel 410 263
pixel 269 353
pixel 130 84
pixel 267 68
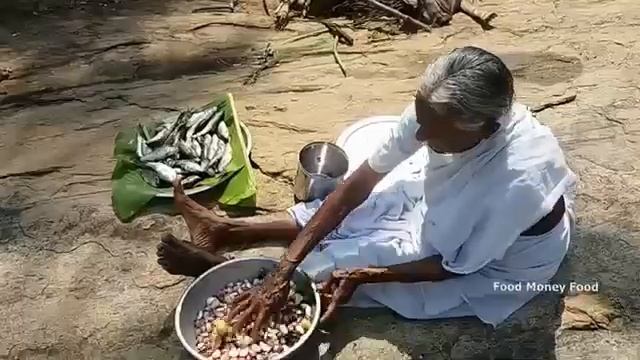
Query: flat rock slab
pixel 77 284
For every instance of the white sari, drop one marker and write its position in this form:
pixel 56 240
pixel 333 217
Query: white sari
pixel 469 208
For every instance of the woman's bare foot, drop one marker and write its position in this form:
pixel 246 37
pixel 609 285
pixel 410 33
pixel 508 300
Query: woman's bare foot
pixel 179 257
pixel 207 229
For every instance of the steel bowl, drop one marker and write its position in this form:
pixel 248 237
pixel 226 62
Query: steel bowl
pixel 194 298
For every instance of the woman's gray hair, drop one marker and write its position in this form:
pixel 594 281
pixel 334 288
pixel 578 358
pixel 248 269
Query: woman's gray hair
pixel 472 85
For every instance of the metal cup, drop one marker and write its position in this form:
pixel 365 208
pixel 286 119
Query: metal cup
pixel 321 167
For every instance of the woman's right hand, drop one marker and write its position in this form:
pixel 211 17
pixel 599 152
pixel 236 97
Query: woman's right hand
pixel 261 303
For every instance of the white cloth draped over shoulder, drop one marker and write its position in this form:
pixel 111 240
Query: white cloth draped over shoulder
pixel 469 208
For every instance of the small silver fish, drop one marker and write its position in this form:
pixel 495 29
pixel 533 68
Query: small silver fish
pixel 162 133
pixel 172 139
pixel 223 131
pixel 160 154
pixel 189 166
pixel 197 148
pixel 206 143
pixel 174 129
pixel 225 160
pixel 210 124
pixel 142 148
pixel 207 146
pixel 187 150
pixel 190 180
pixel 164 172
pixel 196 118
pixel 191 130
pixel 144 131
pixel 139 142
pixel 214 151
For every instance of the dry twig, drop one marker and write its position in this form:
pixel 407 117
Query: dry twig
pixel 228 23
pixel 210 9
pixel 335 30
pixel 265 7
pixel 399 15
pixel 337 57
pixel 481 17
pixel 553 103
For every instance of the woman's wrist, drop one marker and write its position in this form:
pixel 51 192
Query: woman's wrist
pixel 287 267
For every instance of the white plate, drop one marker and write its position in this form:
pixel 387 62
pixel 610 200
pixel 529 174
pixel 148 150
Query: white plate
pixel 168 192
pixel 360 139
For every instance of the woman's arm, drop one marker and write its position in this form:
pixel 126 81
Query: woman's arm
pixel 428 269
pixel 349 195
pixel 342 284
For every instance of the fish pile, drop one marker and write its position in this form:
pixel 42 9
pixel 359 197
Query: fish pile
pixel 194 145
pixel 215 338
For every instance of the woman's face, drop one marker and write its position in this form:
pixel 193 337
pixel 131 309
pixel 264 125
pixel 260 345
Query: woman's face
pixel 440 133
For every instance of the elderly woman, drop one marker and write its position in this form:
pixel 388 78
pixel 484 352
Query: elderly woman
pixel 493 209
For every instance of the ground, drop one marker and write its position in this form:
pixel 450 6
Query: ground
pixel 78 284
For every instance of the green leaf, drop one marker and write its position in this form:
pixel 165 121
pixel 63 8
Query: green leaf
pixel 131 193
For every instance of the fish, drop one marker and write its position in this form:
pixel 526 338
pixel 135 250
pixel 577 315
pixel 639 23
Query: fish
pixel 192 129
pixel 223 131
pixel 186 149
pixel 225 159
pixel 211 149
pixel 216 151
pixel 146 149
pixel 197 148
pixel 160 154
pixel 162 133
pixel 206 142
pixel 210 124
pixel 165 172
pixel 175 127
pixel 141 146
pixel 189 166
pixel 139 142
pixel 190 180
pixel 196 118
pixel 144 131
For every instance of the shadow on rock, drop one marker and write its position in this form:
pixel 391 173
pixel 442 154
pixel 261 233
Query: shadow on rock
pixel 543 68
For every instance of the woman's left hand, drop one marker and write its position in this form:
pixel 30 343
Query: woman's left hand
pixel 337 291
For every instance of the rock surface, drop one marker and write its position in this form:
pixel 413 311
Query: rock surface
pixel 77 284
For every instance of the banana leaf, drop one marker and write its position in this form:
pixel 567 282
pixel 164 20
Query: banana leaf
pixel 131 193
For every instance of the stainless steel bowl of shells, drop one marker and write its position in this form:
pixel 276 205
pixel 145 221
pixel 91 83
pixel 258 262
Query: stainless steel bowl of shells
pixel 200 315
